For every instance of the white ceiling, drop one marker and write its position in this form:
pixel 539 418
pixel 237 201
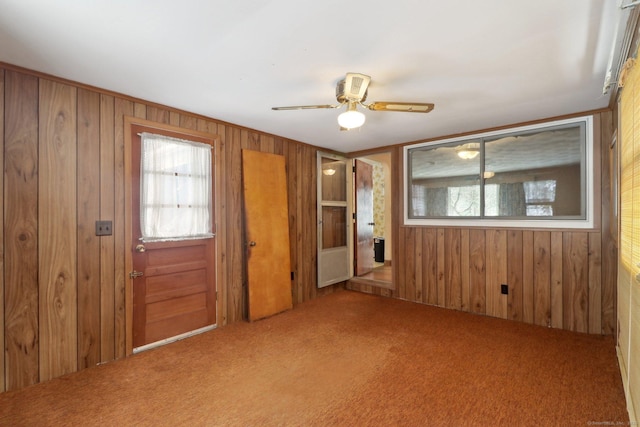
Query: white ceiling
pixel 483 63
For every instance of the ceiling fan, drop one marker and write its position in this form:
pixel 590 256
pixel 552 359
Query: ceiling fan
pixel 353 90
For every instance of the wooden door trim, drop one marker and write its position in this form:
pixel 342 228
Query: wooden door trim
pixel 130 125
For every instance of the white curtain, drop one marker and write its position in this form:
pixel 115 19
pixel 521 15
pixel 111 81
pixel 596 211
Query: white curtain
pixel 175 189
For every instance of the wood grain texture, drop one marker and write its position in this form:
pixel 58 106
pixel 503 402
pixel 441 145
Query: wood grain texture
pixel 57 224
pixel 595 283
pixel 542 278
pixel 429 266
pixel 465 260
pixel 496 259
pixel 453 292
pixel 410 256
pixel 88 243
pixel 122 108
pixel 515 276
pixel 441 267
pixel 236 243
pixel 575 281
pixel 528 307
pixel 477 273
pixel 21 329
pixel 266 220
pixel 557 292
pixel 418 280
pixel 107 213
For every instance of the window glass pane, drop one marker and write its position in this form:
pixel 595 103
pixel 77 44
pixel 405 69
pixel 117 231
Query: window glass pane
pixel 464 201
pixel 528 173
pixel 334 227
pixel 175 189
pixel 445 180
pixel 534 168
pixel 333 179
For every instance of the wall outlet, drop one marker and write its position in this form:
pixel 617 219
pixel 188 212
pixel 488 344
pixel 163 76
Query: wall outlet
pixel 104 228
pixel 504 289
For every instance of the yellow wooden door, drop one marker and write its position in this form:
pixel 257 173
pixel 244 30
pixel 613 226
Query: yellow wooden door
pixel 267 233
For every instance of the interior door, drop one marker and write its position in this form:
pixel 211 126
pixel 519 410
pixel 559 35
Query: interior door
pixel 267 232
pixel 174 290
pixel 335 239
pixel 364 217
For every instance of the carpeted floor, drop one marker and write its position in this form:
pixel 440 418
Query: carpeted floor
pixel 346 359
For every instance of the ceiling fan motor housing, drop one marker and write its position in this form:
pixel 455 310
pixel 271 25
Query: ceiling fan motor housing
pixel 352 93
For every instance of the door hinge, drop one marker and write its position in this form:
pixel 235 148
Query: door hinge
pixel 135 274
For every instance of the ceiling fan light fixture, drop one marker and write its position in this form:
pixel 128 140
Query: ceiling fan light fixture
pixel 468 154
pixel 352 118
pixel 468 151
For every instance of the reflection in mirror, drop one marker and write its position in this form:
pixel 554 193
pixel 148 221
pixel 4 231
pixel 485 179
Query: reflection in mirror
pixel 333 179
pixel 537 173
pixel 445 180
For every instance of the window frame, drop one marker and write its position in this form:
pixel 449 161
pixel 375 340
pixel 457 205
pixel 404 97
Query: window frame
pixel 589 193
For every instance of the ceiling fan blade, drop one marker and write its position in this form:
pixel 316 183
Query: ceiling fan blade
pixel 355 86
pixel 305 107
pixel 409 107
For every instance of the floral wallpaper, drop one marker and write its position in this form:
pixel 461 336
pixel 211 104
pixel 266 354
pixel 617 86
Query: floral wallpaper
pixel 378 200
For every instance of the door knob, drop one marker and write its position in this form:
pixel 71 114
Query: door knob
pixel 371 223
pixel 140 249
pixel 252 243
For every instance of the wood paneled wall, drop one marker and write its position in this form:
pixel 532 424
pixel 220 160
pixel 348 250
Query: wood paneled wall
pixel 62 287
pixel 562 278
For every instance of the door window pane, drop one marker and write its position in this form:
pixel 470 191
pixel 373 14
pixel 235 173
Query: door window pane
pixel 334 227
pixel 175 193
pixel 333 179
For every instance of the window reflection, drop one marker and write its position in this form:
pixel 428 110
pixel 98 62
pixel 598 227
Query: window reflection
pixel 537 173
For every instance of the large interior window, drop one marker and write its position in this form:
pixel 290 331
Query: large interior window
pixel 537 176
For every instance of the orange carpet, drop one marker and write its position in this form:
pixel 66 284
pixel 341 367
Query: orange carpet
pixel 346 359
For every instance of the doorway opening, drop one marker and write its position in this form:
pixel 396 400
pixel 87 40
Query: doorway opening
pixel 372 213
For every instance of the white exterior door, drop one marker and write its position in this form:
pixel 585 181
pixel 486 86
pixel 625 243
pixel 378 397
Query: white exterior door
pixel 335 229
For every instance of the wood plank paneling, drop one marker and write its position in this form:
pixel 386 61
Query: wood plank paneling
pixel 122 108
pixel 453 292
pixel 496 269
pixel 107 213
pixel 410 263
pixel 542 278
pixel 88 243
pixel 309 218
pixel 401 280
pixel 441 267
pixel 477 273
pixel 57 224
pixel 429 266
pixel 595 283
pixel 575 281
pixel 465 259
pixel 557 264
pixel 21 329
pixel 235 243
pixel 417 246
pixel 515 274
pixel 528 307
